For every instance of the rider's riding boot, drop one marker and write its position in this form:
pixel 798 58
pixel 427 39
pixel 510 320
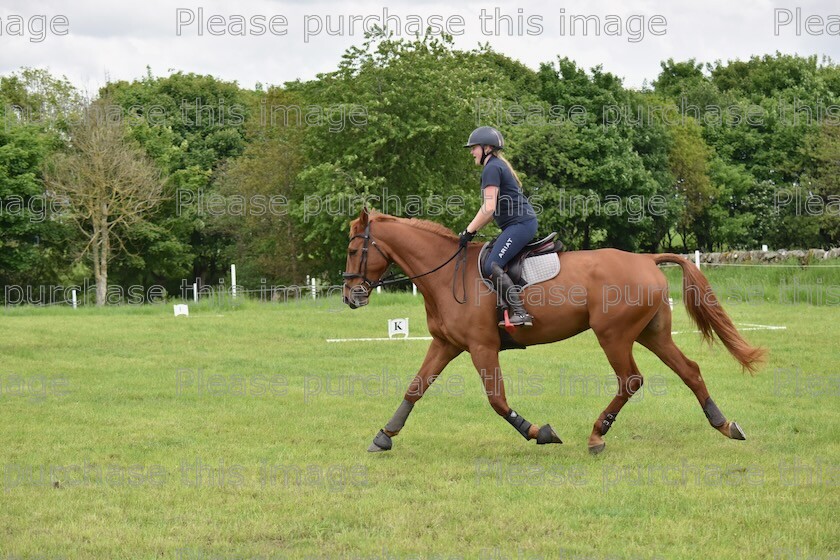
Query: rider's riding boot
pixel 510 296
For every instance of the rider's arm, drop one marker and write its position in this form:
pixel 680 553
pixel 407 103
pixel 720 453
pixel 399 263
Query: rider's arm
pixel 485 214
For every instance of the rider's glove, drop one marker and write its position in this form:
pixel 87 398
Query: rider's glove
pixel 466 237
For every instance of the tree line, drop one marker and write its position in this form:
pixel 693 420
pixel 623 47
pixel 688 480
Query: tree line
pixel 161 179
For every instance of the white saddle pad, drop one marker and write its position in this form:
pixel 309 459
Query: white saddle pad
pixel 534 269
pixel 540 268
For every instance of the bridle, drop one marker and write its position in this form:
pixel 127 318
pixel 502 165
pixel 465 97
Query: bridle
pixel 369 241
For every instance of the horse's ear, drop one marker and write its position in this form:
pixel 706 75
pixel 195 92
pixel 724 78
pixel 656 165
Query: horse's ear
pixel 364 215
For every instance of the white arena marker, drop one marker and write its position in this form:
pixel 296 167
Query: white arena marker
pixel 763 327
pixel 182 309
pixel 744 327
pixel 398 327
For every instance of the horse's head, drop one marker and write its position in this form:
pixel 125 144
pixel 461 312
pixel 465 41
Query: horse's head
pixel 366 263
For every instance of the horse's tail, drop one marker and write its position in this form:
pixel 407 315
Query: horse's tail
pixel 706 312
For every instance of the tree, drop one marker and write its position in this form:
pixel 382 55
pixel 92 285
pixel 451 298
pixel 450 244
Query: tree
pixel 109 183
pixel 824 184
pixel 588 182
pixel 676 77
pixel 191 125
pixel 689 159
pixel 33 96
pixel 34 242
pixel 760 117
pixel 260 188
pixel 404 154
pixel 741 214
pixel 601 175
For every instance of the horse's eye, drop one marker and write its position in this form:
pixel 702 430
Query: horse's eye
pixel 352 252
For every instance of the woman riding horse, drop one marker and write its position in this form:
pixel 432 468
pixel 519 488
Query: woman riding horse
pixel 513 213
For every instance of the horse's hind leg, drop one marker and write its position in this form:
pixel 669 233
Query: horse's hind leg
pixel 620 355
pixel 657 338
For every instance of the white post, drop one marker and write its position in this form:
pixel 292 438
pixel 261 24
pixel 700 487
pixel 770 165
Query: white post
pixel 414 289
pixel 74 299
pixel 697 258
pixel 379 289
pixel 764 248
pixel 233 279
pixel 314 289
pixel 195 292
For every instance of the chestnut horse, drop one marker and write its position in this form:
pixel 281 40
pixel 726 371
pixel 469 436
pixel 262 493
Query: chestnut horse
pixel 622 297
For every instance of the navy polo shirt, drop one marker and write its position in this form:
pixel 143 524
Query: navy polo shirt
pixel 512 207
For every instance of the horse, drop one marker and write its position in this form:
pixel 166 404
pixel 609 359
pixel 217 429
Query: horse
pixel 621 296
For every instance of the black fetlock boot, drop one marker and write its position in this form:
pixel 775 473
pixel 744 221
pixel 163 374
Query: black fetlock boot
pixel 510 296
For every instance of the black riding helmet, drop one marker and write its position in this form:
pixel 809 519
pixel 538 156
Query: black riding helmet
pixel 486 136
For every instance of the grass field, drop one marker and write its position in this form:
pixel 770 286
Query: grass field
pixel 239 432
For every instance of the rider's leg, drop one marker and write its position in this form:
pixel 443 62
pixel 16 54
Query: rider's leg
pixel 510 296
pixel 512 240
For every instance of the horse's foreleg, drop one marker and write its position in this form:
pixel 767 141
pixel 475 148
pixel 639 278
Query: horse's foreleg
pixel 440 353
pixel 486 361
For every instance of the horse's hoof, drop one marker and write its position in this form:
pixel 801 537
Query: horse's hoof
pixel 595 449
pixel 735 432
pixel 547 435
pixel 382 442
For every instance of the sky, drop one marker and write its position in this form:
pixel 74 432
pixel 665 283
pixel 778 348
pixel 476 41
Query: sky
pixel 92 42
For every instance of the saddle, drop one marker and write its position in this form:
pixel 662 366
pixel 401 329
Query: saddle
pixel 515 268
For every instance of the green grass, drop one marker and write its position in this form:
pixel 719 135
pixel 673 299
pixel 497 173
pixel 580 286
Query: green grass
pixel 100 388
pixel 817 284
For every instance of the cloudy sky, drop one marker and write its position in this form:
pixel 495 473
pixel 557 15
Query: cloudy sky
pixel 93 41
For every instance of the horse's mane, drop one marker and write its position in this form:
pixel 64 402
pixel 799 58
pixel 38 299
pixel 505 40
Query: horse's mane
pixel 425 225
